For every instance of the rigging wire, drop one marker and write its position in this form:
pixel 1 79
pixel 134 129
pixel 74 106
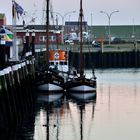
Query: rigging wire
pixel 51 13
pixel 29 18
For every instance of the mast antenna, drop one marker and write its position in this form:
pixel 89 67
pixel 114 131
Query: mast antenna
pixel 81 39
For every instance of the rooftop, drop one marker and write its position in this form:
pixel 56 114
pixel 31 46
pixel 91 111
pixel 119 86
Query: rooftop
pixel 2 15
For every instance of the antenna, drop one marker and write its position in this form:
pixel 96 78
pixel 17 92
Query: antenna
pixel 81 38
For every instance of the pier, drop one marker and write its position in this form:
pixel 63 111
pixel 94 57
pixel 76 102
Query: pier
pixel 114 56
pixel 17 94
pixel 126 59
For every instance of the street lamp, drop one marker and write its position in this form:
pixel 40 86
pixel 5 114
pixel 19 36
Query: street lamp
pixel 63 16
pixel 109 17
pixel 91 18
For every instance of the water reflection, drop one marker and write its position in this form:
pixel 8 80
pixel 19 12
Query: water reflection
pixel 48 119
pixel 117 107
pixel 64 119
pixel 84 110
pixel 114 115
pixel 25 132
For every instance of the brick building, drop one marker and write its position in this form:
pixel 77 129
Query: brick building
pixel 2 19
pixel 55 36
pixel 74 26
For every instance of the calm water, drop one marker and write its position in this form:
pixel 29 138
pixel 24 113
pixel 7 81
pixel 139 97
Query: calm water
pixel 114 115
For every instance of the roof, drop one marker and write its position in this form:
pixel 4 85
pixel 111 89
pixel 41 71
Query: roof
pixel 5 31
pixel 77 23
pixel 2 15
pixel 38 27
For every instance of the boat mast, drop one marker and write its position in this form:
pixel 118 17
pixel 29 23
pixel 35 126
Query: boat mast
pixel 81 39
pixel 47 34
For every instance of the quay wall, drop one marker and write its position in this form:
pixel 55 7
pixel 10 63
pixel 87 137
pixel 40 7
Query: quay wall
pixel 125 59
pixel 17 96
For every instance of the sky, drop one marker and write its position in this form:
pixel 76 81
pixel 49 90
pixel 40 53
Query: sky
pixel 128 11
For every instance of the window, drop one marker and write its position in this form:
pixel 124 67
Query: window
pixel 51 63
pixel 61 63
pixel 52 38
pixel 65 63
pixel 42 38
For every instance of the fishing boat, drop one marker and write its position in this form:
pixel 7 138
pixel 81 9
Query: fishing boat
pixel 79 84
pixel 58 62
pixel 50 82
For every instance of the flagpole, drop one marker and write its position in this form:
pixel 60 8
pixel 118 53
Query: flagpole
pixel 15 48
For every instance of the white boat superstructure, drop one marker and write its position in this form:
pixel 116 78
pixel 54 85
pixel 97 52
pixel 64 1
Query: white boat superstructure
pixel 59 60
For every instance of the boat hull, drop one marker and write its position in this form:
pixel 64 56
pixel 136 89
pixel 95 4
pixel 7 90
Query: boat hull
pixel 49 97
pixel 49 88
pixel 81 88
pixel 81 85
pixel 49 92
pixel 83 96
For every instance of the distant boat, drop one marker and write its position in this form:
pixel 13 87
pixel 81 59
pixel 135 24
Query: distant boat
pixel 79 84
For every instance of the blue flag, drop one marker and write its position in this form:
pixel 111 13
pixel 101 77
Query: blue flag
pixel 19 9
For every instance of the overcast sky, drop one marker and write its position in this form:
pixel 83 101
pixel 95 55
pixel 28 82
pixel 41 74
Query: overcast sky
pixel 128 11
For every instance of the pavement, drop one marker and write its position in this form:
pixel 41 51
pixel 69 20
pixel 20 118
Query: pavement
pixel 106 48
pixel 90 48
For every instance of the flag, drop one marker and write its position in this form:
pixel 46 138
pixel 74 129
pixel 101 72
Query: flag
pixel 13 11
pixel 17 9
pixel 51 10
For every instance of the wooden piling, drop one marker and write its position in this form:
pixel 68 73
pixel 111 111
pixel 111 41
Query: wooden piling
pixel 6 104
pixel 126 59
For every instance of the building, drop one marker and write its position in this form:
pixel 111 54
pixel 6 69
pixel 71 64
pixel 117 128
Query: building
pixel 74 26
pixel 2 19
pixel 125 32
pixel 55 36
pixel 100 32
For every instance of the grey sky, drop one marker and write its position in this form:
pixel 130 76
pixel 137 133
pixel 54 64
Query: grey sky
pixel 128 15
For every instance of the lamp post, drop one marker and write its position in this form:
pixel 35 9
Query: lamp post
pixel 91 18
pixel 109 18
pixel 63 16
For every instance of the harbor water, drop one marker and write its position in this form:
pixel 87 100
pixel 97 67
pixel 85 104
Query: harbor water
pixel 113 115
